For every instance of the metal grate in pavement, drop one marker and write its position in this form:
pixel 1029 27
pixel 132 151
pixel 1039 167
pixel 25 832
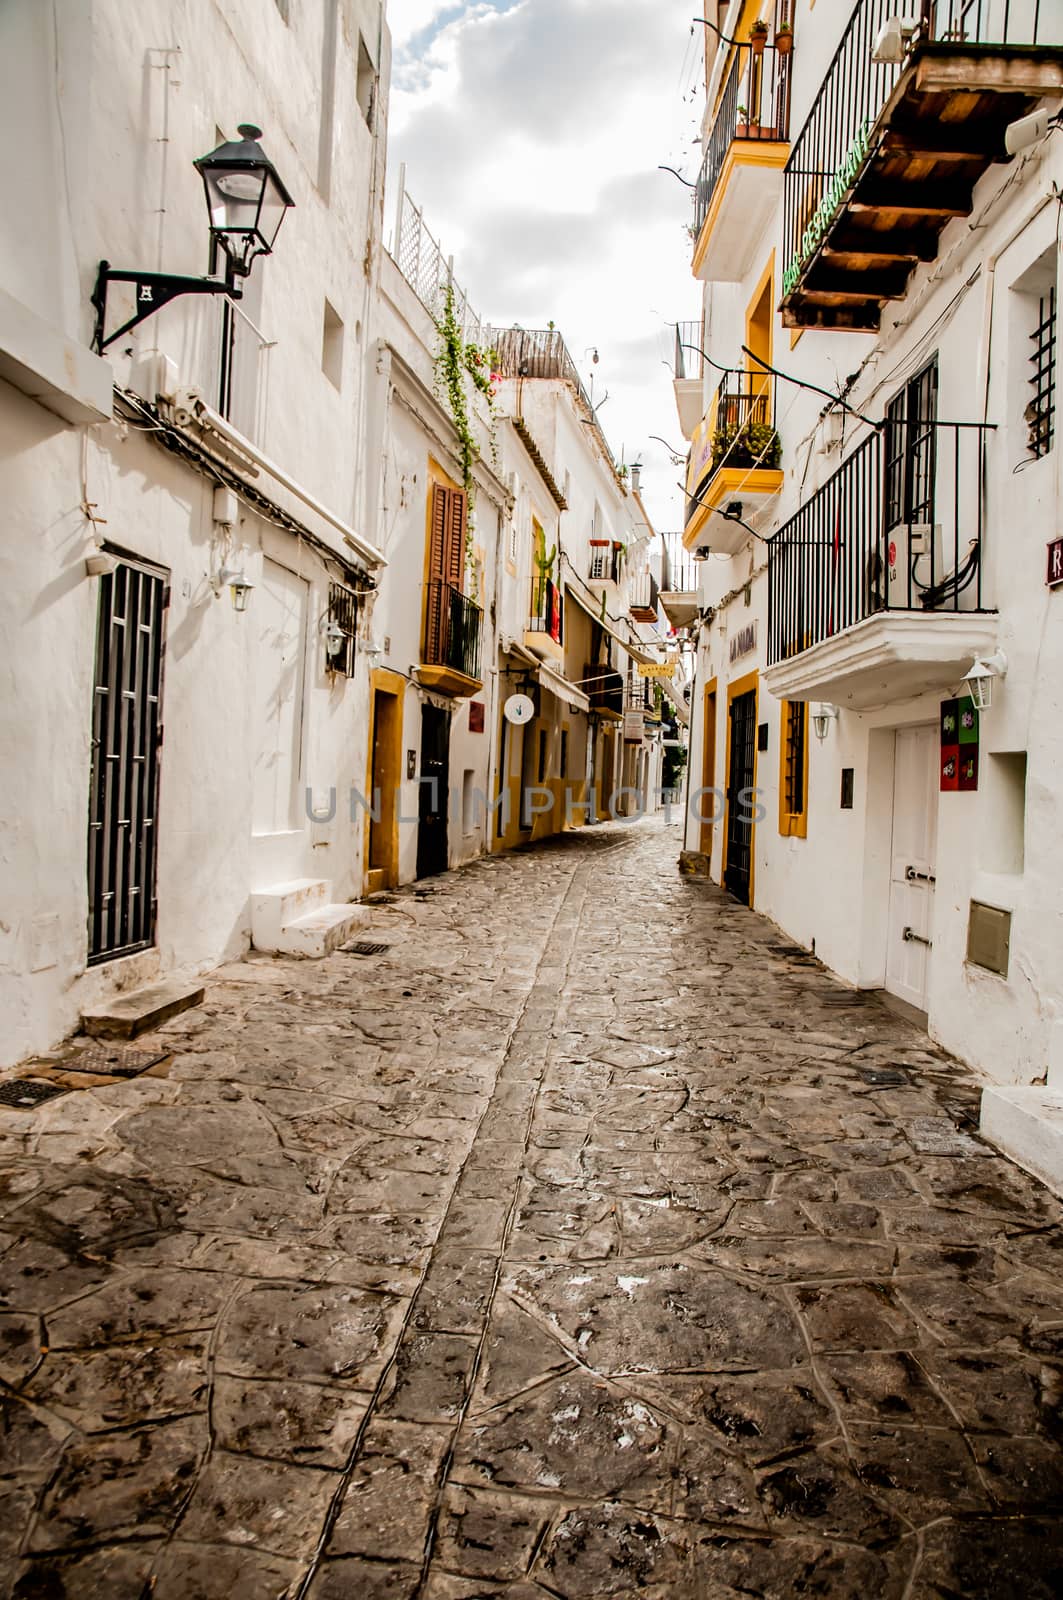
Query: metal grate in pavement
pixel 25 1093
pixel 884 1077
pixel 113 1060
pixel 364 947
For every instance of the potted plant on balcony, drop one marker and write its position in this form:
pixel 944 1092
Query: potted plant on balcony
pixel 746 127
pixel 758 36
pixel 751 445
pixel 784 38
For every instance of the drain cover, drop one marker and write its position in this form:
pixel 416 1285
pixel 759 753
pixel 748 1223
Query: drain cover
pixel 365 947
pixel 28 1092
pixel 885 1077
pixel 114 1060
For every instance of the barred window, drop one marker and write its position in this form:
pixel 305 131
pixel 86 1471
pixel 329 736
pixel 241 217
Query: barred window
pixel 343 611
pixel 795 739
pixel 1041 411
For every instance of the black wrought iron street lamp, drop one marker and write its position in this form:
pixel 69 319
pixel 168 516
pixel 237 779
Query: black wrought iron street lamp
pixel 246 202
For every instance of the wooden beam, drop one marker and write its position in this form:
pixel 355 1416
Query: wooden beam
pixel 902 244
pixel 985 70
pixel 944 142
pixel 916 199
pixel 829 278
pixel 843 319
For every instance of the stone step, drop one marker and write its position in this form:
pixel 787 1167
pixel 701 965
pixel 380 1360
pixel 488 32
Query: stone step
pixel 321 931
pixel 126 1015
pixel 274 908
pixel 1026 1122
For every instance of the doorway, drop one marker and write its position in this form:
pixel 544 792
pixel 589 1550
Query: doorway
pixel 708 772
pixel 741 770
pixel 384 777
pixel 432 818
pixel 913 855
pixel 124 779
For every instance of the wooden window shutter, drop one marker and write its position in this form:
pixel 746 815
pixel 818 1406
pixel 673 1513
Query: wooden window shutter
pixel 457 523
pixel 437 545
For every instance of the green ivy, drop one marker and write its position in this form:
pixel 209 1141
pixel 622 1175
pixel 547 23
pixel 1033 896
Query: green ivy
pixel 457 361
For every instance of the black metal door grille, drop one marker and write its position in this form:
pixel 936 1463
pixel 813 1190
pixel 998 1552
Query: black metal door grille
pixel 124 785
pixel 1041 411
pixel 740 796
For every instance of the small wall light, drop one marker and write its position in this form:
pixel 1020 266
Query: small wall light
pixel 822 717
pixel 101 564
pixel 334 639
pixel 979 680
pixel 240 589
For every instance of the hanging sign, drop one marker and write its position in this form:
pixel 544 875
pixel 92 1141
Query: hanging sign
pixel 518 709
pixel 658 669
pixel 634 727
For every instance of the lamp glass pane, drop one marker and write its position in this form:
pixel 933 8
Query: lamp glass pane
pixel 272 213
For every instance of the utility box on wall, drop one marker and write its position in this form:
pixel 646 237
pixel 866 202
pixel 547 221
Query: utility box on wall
pixel 989 937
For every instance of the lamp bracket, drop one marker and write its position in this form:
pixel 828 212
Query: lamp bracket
pixel 153 291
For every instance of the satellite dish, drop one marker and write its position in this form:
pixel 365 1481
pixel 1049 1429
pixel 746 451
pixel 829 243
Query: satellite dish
pixel 518 709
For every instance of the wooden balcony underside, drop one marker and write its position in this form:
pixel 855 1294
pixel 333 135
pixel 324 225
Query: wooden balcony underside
pixel 940 131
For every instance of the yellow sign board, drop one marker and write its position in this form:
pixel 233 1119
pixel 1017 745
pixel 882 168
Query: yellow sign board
pixel 658 669
pixel 700 459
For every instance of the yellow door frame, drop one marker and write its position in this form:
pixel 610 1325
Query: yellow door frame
pixel 708 765
pixel 375 878
pixel 739 686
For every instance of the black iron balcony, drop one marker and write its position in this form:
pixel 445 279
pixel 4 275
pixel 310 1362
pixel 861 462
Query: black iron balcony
pixel 898 528
pixel 642 602
pixel 679 573
pixel 740 434
pixel 546 615
pixel 453 630
pixel 689 362
pixel 891 150
pixel 604 689
pixel 754 108
pixel 639 695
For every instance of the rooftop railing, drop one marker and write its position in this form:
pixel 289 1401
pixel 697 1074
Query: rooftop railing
pixel 542 353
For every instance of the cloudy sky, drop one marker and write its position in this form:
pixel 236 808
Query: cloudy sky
pixel 532 131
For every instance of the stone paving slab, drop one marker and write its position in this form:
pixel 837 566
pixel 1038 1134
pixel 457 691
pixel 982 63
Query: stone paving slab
pixel 588 1241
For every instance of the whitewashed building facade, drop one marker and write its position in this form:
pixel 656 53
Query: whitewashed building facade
pixel 862 229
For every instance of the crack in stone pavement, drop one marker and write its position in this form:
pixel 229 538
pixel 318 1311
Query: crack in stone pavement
pixel 589 1241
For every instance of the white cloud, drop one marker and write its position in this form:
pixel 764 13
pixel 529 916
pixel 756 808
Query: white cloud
pixel 532 131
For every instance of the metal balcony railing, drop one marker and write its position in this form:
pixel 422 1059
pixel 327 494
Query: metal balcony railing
pixel 689 341
pixel 678 571
pixel 453 630
pixel 754 106
pixel 744 433
pixel 638 694
pixel 898 527
pixel 642 597
pixel 603 687
pixel 838 135
pixel 605 561
pixel 546 614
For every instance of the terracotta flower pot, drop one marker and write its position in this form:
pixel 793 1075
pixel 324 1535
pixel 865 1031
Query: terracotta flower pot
pixel 784 43
pixel 758 39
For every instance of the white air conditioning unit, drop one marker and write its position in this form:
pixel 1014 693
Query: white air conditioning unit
pixel 909 546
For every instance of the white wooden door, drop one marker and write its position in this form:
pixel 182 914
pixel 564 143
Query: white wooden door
pixel 279 608
pixel 912 864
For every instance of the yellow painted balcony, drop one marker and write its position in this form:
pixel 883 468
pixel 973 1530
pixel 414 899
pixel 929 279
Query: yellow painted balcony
pixel 733 463
pixel 740 183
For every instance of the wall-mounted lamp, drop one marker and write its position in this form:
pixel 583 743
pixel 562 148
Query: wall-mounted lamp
pixel 892 41
pixel 979 680
pixel 1029 130
pixel 822 717
pixel 101 564
pixel 246 203
pixel 239 586
pixel 335 638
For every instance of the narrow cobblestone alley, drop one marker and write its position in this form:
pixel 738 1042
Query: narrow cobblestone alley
pixel 585 1241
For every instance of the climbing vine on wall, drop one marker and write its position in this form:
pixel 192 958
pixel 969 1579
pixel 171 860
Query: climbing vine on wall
pixel 456 362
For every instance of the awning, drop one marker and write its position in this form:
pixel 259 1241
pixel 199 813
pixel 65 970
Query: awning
pixel 634 650
pixel 553 681
pixel 564 690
